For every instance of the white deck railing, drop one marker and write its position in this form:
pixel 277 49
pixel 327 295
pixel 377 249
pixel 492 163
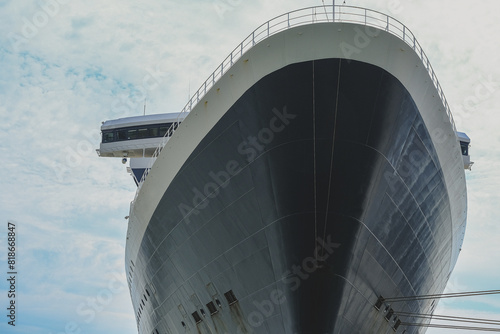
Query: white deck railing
pixel 319 14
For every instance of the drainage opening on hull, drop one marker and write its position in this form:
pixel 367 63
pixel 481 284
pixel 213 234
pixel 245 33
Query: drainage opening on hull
pixel 196 317
pixel 396 324
pixel 212 308
pixel 389 314
pixel 231 298
pixel 379 303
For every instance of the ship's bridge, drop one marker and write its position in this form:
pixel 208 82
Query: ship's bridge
pixel 138 136
pixel 464 146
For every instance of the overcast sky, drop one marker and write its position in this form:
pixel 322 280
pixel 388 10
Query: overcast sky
pixel 66 66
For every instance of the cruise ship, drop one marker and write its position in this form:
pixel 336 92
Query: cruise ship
pixel 315 176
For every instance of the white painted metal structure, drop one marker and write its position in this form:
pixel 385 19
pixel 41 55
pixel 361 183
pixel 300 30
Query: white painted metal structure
pixel 136 148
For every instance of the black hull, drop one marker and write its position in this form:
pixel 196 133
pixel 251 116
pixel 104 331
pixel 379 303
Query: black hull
pixel 319 190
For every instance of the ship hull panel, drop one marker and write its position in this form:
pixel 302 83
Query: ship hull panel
pixel 318 190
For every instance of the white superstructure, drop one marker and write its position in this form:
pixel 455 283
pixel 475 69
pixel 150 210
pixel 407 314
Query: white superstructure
pixel 137 136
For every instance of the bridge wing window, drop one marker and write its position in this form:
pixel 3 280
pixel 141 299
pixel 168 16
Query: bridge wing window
pixel 108 136
pixel 121 135
pixel 132 134
pixel 153 132
pixel 143 133
pixel 163 129
pixel 465 148
pixel 137 132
